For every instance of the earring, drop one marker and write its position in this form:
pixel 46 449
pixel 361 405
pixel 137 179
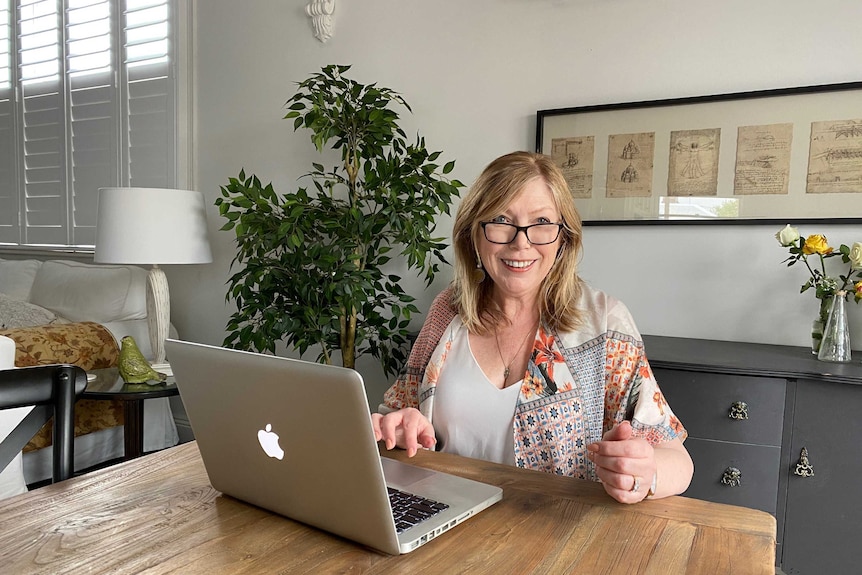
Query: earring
pixel 479 272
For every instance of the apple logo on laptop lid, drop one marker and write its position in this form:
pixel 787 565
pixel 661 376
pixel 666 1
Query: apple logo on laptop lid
pixel 269 441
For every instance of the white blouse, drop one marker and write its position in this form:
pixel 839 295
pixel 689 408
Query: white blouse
pixel 472 417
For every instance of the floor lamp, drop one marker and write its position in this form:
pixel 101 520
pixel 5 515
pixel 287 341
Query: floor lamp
pixel 152 226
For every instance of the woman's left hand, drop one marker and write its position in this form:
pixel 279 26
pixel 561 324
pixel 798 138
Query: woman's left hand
pixel 626 465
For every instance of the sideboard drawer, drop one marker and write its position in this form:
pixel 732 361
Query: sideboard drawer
pixel 758 466
pixel 704 401
pixel 818 516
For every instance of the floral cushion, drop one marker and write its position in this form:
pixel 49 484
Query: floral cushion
pixel 88 345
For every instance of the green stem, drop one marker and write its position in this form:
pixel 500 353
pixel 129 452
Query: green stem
pixel 811 271
pixel 824 309
pixel 847 277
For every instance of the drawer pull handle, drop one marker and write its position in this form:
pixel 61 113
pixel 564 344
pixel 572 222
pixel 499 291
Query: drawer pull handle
pixel 804 468
pixel 732 477
pixel 738 410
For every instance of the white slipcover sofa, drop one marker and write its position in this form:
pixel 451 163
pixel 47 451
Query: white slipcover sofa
pixel 34 292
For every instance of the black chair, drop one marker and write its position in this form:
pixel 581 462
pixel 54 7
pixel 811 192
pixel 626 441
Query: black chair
pixel 53 390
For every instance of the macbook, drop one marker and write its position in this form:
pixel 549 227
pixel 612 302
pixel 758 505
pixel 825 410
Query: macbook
pixel 296 438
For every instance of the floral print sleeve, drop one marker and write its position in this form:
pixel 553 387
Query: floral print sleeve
pixel 405 392
pixel 631 393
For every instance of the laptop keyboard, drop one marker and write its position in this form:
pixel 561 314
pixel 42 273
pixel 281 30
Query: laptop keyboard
pixel 410 510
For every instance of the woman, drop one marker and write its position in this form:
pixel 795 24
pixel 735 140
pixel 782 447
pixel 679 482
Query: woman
pixel 520 362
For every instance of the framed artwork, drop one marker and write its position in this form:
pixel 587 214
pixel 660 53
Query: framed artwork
pixel 773 156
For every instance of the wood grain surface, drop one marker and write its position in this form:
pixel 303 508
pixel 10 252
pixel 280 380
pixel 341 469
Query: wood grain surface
pixel 159 514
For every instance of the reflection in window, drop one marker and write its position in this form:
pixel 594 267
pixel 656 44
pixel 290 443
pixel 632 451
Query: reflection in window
pixel 697 207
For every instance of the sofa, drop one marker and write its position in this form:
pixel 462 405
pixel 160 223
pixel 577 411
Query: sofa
pixel 65 311
pixel 34 292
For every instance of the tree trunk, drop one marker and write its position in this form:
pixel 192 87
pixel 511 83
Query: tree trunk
pixel 348 346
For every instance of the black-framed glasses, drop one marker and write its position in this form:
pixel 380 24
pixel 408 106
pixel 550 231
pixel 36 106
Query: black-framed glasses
pixel 537 234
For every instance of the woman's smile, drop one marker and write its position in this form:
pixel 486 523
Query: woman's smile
pixel 519 265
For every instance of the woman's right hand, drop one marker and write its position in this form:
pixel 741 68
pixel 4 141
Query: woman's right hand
pixel 406 428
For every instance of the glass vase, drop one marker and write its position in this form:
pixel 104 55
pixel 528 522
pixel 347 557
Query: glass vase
pixel 835 345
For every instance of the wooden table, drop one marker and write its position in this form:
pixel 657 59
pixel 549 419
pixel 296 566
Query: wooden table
pixel 159 514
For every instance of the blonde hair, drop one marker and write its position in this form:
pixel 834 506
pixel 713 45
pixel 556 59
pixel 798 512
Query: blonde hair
pixel 498 185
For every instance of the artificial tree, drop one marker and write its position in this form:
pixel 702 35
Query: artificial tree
pixel 312 262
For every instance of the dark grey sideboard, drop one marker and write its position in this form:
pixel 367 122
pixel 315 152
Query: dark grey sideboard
pixel 773 428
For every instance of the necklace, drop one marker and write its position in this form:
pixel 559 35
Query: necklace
pixel 508 369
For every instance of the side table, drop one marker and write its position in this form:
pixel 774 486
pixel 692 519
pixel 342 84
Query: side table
pixel 109 385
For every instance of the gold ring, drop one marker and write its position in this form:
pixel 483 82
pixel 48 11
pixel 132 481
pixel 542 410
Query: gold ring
pixel 637 484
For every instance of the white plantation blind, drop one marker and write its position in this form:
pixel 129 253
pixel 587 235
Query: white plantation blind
pixel 87 100
pixel 8 192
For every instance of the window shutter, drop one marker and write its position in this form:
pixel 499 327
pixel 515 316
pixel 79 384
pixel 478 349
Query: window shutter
pixel 43 115
pixel 151 116
pixel 96 110
pixel 9 230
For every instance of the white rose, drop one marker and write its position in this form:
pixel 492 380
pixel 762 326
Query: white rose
pixel 788 236
pixel 856 256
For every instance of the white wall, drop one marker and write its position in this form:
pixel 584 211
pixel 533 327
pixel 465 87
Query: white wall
pixel 475 72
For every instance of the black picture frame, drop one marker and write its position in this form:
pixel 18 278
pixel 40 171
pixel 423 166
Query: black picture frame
pixel 751 145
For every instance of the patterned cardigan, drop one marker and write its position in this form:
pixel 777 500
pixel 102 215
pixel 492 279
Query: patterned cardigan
pixel 577 385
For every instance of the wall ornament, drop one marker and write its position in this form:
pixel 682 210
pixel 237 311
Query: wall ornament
pixel 321 14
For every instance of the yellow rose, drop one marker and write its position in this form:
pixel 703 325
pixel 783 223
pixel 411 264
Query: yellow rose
pixel 816 244
pixel 858 287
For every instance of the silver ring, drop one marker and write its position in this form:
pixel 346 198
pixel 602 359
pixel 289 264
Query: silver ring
pixel 637 485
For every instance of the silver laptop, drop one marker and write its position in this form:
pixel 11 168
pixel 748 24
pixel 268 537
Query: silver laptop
pixel 295 437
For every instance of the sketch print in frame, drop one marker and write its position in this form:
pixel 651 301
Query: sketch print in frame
pixel 693 162
pixel 630 165
pixel 835 157
pixel 763 159
pixel 664 161
pixel 575 156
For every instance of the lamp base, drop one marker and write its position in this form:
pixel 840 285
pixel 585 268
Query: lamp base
pixel 158 311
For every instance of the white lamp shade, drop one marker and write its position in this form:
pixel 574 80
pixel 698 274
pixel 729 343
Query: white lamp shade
pixel 151 226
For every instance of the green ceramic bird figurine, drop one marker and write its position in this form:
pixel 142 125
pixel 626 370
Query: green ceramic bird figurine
pixel 133 366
